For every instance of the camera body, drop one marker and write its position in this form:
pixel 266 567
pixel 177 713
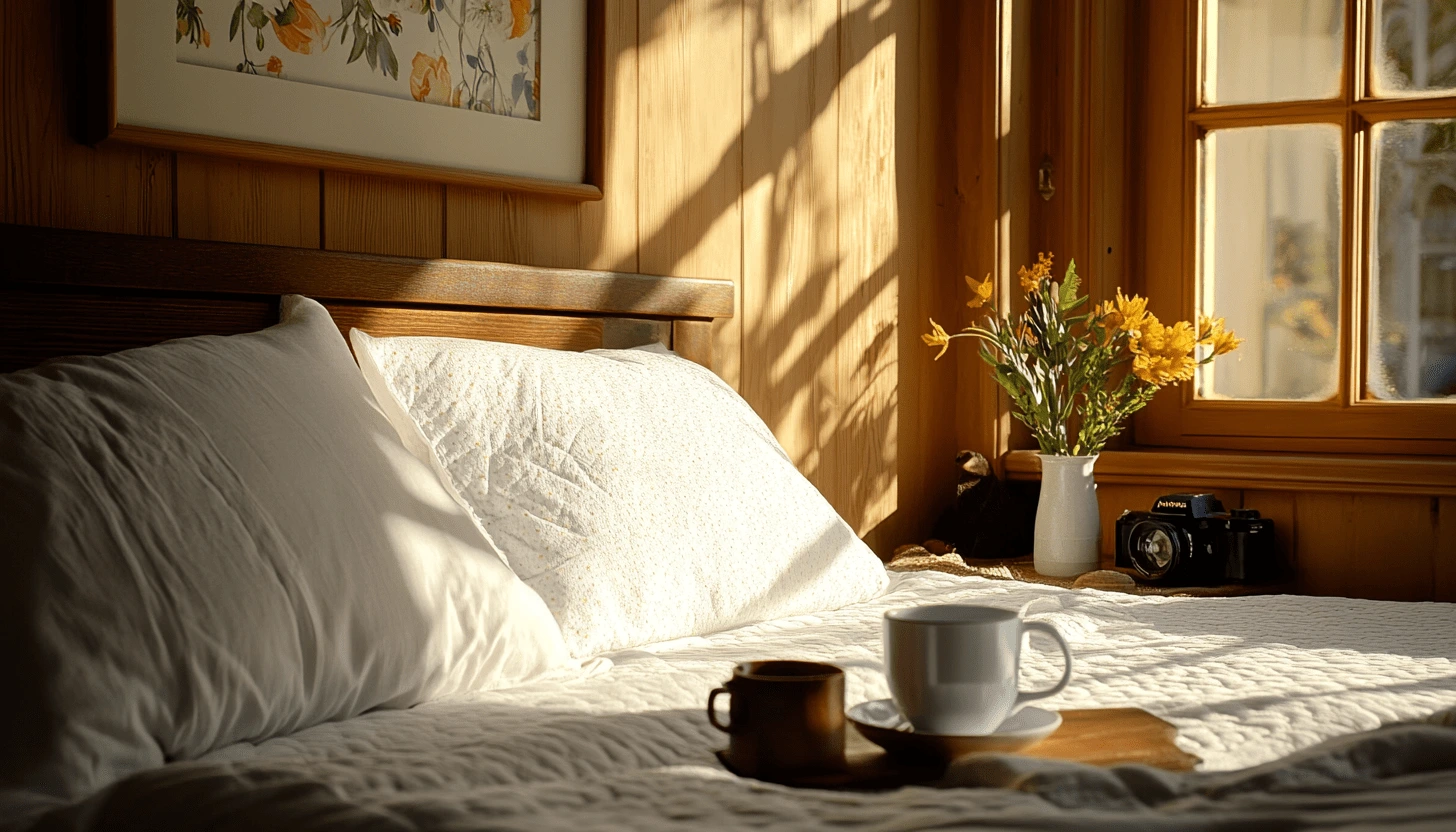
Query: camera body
pixel 1189 540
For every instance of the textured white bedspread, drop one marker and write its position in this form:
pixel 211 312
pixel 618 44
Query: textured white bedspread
pixel 626 744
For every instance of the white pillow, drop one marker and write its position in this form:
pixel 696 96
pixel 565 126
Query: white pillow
pixel 222 539
pixel 633 489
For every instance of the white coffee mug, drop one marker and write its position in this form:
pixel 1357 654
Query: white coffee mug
pixel 953 668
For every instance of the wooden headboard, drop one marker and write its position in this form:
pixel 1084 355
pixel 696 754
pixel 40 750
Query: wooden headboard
pixel 87 293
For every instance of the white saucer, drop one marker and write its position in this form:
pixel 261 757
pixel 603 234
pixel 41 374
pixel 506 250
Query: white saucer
pixel 881 723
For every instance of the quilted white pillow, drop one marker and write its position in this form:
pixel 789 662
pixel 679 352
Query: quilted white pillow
pixel 222 539
pixel 634 490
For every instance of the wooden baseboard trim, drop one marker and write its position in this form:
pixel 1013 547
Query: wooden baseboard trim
pixel 1425 476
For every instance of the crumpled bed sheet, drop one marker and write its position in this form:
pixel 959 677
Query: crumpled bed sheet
pixel 624 743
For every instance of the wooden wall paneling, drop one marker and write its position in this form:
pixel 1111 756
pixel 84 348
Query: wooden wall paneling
pixel 1279 507
pixel 926 390
pixel 1059 127
pixel 510 227
pixel 376 215
pixel 690 159
pixel 873 255
pixel 1445 565
pixel 1107 260
pixel 240 201
pixel 1157 179
pixel 1365 546
pixel 51 180
pixel 791 227
pixel 609 226
pixel 994 186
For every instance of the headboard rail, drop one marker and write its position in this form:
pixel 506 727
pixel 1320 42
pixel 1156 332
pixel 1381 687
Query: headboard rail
pixel 77 292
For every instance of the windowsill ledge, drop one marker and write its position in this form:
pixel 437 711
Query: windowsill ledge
pixel 1427 476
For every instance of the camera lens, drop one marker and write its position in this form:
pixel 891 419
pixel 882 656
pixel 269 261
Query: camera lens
pixel 1153 548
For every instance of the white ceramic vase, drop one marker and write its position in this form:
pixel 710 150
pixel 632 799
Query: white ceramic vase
pixel 1068 527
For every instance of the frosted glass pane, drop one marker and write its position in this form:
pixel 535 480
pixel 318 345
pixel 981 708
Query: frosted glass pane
pixel 1269 248
pixel 1415 47
pixel 1273 50
pixel 1413 294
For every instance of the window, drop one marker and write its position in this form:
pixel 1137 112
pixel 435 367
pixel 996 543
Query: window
pixel 1305 151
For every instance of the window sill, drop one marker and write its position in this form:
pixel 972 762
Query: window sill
pixel 1425 476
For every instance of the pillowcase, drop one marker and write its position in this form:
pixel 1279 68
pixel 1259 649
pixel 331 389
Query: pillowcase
pixel 221 539
pixel 634 490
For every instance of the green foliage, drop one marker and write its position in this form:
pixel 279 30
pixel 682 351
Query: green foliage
pixel 189 24
pixel 371 32
pixel 1057 367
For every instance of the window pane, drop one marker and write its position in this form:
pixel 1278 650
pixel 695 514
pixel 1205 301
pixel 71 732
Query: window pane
pixel 1273 50
pixel 1269 239
pixel 1413 291
pixel 1415 47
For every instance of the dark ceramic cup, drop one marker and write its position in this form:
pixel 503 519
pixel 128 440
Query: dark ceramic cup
pixel 784 717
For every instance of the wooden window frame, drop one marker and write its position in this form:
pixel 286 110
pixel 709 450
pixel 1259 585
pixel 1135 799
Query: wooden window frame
pixel 1171 119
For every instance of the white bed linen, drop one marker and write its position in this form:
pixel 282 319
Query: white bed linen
pixel 1246 680
pixel 634 490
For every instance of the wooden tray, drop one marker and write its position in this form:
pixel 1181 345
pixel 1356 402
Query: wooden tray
pixel 1101 737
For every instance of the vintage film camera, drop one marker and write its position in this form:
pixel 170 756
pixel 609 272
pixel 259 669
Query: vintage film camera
pixel 1189 540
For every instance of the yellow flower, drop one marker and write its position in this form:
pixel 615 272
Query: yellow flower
pixel 980 292
pixel 1163 354
pixel 430 79
pixel 1031 279
pixel 275 65
pixel 1211 332
pixel 1127 313
pixel 1160 370
pixel 937 337
pixel 302 30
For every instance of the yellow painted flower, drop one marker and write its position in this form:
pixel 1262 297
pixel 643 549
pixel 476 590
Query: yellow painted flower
pixel 301 28
pixel 275 65
pixel 1031 279
pixel 520 17
pixel 980 292
pixel 937 337
pixel 430 79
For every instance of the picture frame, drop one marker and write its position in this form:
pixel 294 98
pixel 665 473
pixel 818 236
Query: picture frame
pixel 373 116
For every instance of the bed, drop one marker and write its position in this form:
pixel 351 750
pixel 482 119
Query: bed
pixel 1305 712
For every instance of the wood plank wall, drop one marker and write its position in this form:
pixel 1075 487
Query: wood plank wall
pixel 795 148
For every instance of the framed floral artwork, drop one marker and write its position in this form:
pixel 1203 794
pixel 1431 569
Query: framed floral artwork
pixel 500 93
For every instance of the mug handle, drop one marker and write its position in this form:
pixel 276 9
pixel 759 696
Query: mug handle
pixel 1043 627
pixel 713 715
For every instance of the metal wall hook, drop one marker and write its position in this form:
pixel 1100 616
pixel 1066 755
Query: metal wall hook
pixel 1044 184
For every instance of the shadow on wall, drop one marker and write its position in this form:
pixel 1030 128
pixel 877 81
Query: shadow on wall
pixel 815 172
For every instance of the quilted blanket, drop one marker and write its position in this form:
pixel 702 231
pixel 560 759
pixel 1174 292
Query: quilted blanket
pixel 1307 712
